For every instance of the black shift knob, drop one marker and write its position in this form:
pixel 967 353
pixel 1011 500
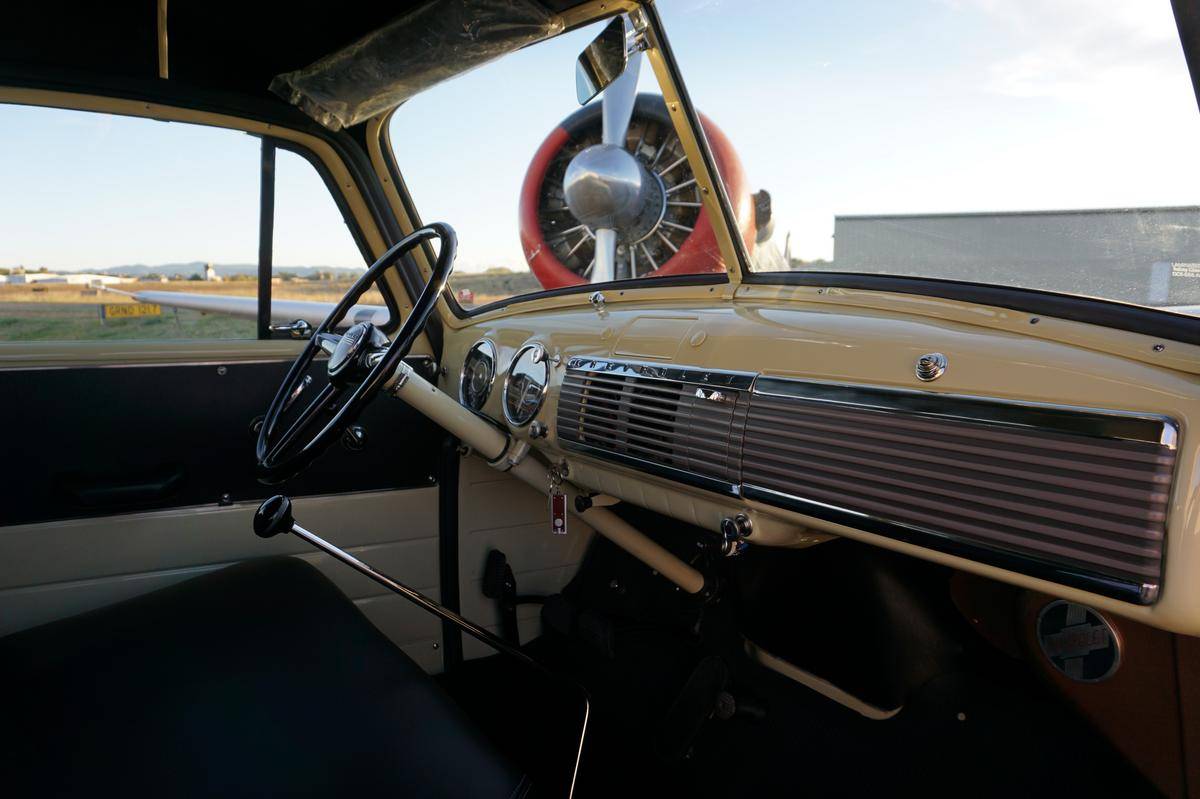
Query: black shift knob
pixel 273 517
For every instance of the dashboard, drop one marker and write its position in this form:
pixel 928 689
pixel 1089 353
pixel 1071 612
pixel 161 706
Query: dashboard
pixel 1033 460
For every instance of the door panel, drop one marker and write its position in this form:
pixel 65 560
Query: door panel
pixel 105 440
pixel 51 570
pixel 65 548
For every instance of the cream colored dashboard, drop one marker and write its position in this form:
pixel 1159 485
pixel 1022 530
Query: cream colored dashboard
pixel 876 349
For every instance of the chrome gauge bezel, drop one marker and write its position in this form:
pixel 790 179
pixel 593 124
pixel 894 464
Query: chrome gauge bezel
pixel 543 360
pixel 482 344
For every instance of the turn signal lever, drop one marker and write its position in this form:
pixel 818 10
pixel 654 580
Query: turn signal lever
pixel 275 516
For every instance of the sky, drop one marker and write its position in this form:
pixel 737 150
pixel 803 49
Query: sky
pixel 836 108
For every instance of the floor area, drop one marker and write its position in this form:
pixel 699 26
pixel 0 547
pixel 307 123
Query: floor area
pixel 677 707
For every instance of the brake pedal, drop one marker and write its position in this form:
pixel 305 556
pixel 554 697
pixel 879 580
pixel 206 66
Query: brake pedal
pixel 500 584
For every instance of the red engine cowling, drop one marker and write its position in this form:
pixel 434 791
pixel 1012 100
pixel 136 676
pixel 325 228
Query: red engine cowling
pixel 558 249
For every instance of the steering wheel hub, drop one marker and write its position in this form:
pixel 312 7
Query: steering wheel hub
pixel 348 358
pixel 348 349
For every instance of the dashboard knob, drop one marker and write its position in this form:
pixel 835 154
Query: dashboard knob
pixel 538 429
pixel 739 526
pixel 734 531
pixel 931 366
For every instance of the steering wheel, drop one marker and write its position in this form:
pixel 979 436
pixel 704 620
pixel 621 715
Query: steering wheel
pixel 360 362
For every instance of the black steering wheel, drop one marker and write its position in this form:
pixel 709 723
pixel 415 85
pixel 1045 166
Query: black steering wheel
pixel 360 362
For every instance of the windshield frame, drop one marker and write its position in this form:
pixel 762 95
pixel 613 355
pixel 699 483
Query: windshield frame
pixel 1156 322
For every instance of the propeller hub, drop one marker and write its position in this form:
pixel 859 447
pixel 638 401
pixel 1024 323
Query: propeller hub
pixel 606 186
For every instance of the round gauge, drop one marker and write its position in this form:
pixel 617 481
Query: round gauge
pixel 525 385
pixel 478 372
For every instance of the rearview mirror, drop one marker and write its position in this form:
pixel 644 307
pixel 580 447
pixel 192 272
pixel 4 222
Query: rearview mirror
pixel 601 62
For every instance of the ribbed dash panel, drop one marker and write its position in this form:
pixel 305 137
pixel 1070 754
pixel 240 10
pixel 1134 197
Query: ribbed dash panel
pixel 670 423
pixel 1097 504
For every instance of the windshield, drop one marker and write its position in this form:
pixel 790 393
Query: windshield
pixel 492 152
pixel 1048 144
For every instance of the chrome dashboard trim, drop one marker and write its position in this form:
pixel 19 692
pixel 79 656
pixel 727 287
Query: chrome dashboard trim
pixel 462 377
pixel 1094 422
pixel 508 381
pixel 722 378
pixel 715 385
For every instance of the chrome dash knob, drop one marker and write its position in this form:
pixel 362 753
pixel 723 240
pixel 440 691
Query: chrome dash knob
pixel 734 531
pixel 931 366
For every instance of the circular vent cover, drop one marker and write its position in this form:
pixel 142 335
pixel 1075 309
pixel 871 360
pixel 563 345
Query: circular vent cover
pixel 1078 641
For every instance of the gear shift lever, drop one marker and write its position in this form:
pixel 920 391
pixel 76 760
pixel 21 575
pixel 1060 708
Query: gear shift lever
pixel 275 516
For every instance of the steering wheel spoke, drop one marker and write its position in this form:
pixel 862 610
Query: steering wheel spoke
pixel 320 404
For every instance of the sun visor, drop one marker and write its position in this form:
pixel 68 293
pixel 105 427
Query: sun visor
pixel 429 44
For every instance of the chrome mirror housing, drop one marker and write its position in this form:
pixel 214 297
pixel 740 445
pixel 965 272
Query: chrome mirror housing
pixel 601 62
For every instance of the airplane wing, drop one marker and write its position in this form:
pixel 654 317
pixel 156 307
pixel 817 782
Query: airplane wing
pixel 282 311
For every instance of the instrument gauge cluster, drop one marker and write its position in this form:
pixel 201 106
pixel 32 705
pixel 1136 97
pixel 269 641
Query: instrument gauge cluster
pixel 478 374
pixel 526 383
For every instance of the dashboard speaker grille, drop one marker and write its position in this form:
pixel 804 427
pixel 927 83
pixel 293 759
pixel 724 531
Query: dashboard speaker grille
pixel 673 421
pixel 1085 491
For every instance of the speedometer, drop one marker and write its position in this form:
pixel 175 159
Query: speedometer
pixel 525 386
pixel 478 372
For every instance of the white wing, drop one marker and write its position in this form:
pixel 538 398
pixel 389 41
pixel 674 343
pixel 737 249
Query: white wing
pixel 282 311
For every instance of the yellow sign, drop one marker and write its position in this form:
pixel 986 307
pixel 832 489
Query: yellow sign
pixel 125 310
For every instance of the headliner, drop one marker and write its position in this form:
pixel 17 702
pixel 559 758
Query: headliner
pixel 229 46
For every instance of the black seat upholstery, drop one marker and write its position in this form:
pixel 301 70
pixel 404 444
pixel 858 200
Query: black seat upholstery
pixel 260 679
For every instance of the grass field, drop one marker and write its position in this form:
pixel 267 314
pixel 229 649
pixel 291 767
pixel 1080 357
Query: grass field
pixel 57 312
pixel 60 312
pixel 50 321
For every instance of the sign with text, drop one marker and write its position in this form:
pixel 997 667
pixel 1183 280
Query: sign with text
pixel 127 310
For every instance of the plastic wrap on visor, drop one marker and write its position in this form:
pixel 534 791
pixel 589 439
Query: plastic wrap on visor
pixel 427 45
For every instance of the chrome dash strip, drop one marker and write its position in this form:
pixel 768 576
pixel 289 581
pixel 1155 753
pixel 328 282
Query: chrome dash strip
pixel 1049 417
pixel 657 371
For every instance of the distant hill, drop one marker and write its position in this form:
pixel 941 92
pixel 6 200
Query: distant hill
pixel 224 270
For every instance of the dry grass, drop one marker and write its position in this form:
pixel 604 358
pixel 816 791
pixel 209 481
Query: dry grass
pixel 77 321
pixel 59 293
pixel 63 312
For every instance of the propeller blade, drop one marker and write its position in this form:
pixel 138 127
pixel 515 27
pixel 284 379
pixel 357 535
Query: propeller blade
pixel 617 103
pixel 606 256
pixel 616 112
